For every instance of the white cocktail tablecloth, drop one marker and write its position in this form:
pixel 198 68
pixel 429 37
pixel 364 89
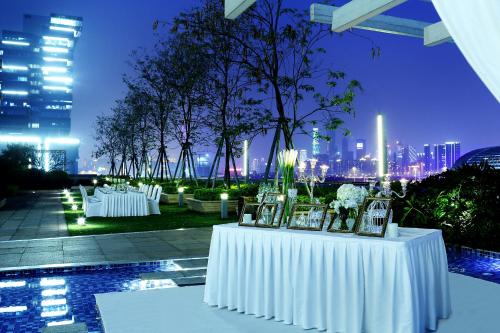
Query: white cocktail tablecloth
pixel 115 204
pixel 334 282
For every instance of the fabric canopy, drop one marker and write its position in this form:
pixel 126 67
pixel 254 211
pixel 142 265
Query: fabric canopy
pixel 475 28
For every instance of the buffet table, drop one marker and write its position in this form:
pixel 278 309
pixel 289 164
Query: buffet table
pixel 330 281
pixel 115 203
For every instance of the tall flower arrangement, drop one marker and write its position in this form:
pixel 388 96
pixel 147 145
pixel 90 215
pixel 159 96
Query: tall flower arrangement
pixel 286 162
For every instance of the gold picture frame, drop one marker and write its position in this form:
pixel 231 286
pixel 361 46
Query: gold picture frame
pixel 373 217
pixel 251 208
pixel 299 221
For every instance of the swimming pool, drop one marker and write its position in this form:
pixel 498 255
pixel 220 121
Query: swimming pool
pixel 33 299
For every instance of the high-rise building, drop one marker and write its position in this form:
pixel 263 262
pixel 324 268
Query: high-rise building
pixel 345 148
pixel 427 159
pixel 360 149
pixel 452 153
pixel 316 150
pixel 333 149
pixel 302 155
pixel 36 80
pixel 439 157
pixel 409 157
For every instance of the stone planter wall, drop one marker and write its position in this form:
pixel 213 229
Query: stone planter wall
pixel 172 198
pixel 210 206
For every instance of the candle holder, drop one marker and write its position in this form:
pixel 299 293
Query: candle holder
pixel 311 179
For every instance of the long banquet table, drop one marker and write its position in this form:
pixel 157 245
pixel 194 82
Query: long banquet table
pixel 115 204
pixel 330 281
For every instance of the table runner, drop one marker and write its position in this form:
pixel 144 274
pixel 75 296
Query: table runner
pixel 334 282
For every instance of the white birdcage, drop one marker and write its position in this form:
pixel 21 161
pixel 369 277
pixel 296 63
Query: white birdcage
pixel 375 214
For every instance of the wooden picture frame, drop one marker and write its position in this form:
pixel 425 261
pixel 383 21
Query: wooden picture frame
pixel 334 223
pixel 297 215
pixel 266 216
pixel 251 208
pixel 373 217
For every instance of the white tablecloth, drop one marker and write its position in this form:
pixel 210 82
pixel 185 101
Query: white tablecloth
pixel 115 204
pixel 334 282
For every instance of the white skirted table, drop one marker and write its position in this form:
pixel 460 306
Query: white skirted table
pixel 330 281
pixel 116 204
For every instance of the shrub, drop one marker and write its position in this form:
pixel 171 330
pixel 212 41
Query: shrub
pixel 464 203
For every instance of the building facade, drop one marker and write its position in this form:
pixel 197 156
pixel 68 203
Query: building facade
pixel 36 88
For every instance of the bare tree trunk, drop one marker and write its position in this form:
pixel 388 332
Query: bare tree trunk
pixel 271 152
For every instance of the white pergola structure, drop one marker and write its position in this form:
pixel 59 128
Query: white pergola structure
pixel 474 25
pixel 362 14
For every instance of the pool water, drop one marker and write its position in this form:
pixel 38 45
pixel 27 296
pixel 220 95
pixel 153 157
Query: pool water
pixel 31 300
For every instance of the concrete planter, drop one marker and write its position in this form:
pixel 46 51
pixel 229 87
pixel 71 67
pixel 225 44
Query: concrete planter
pixel 173 198
pixel 210 206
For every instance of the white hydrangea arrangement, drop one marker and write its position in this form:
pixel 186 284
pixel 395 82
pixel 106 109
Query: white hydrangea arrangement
pixel 349 197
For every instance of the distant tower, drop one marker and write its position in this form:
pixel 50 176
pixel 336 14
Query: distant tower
pixel 427 158
pixel 302 155
pixel 345 148
pixel 452 153
pixel 332 145
pixel 315 142
pixel 439 157
pixel 360 148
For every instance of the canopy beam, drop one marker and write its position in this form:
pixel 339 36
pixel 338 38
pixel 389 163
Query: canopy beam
pixel 435 34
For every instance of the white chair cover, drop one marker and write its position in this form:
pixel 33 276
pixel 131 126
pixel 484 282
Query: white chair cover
pixel 154 201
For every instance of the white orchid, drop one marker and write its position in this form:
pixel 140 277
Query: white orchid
pixel 287 158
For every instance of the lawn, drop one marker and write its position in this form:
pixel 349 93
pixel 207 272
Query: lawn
pixel 172 217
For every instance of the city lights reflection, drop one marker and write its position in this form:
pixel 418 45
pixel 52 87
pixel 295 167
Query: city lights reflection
pixel 11 309
pixel 54 292
pixel 54 302
pixel 44 282
pixel 55 313
pixel 62 322
pixel 12 284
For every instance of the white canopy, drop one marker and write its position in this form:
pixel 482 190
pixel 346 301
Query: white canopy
pixel 475 28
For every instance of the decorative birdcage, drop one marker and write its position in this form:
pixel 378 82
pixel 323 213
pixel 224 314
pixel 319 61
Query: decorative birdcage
pixel 375 216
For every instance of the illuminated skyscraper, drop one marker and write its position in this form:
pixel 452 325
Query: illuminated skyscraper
pixel 360 149
pixel 452 153
pixel 427 158
pixel 439 157
pixel 315 143
pixel 36 81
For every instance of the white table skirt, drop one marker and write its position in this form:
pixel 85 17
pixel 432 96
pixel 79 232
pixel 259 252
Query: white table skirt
pixel 334 282
pixel 116 204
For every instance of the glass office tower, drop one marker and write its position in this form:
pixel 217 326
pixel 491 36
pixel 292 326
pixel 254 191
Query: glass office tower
pixel 36 84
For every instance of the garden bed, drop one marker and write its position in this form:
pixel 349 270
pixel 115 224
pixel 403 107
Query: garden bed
pixel 202 206
pixel 173 198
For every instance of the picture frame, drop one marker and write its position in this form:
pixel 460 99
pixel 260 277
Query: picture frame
pixel 373 217
pixel 267 216
pixel 250 210
pixel 334 222
pixel 272 197
pixel 307 217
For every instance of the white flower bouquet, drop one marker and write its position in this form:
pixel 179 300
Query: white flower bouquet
pixel 349 198
pixel 286 162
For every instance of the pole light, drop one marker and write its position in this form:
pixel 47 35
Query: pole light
pixel 74 207
pixel 180 192
pixel 71 200
pixel 245 160
pixel 80 220
pixel 223 205
pixel 381 167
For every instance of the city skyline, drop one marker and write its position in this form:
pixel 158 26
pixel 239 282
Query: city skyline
pixel 420 90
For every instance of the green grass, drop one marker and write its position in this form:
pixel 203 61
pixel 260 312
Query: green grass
pixel 172 217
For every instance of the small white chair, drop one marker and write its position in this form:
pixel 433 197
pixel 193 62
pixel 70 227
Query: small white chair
pixel 149 192
pixel 141 188
pixel 91 205
pixel 154 201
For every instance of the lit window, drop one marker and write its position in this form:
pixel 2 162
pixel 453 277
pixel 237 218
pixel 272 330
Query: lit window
pixel 35 125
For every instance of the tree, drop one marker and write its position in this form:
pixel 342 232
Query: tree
pixel 232 115
pixel 106 141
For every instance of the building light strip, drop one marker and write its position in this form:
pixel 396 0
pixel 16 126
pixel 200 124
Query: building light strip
pixel 62 79
pixel 10 309
pixel 55 49
pixel 14 42
pixel 62 29
pixel 64 21
pixel 14 92
pixel 52 59
pixel 15 67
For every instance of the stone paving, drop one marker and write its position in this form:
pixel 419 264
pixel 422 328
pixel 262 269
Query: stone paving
pixel 113 248
pixel 32 215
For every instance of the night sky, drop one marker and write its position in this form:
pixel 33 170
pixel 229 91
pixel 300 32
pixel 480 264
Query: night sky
pixel 429 95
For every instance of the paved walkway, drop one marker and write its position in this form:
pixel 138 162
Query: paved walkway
pixel 131 247
pixel 33 215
